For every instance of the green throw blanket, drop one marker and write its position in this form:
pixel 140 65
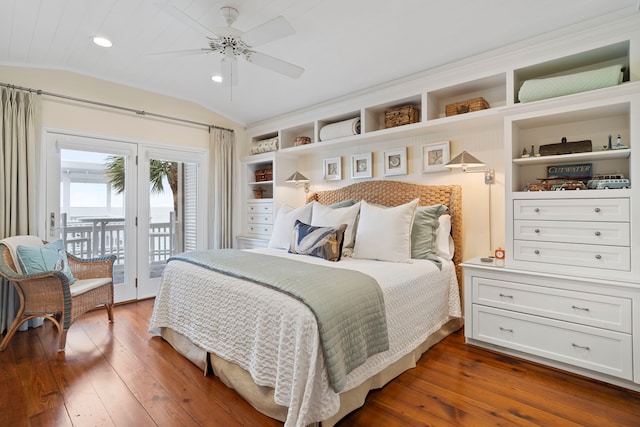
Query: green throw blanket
pixel 348 305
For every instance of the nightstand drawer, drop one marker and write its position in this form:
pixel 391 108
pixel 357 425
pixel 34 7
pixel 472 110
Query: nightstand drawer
pixel 259 208
pixel 261 230
pixel 592 348
pixel 593 233
pixel 596 310
pixel 592 256
pixel 572 209
pixel 260 218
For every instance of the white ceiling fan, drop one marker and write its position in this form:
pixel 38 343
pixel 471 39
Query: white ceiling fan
pixel 233 43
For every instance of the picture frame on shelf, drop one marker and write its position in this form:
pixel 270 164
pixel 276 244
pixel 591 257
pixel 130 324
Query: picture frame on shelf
pixel 435 156
pixel 361 166
pixel 395 162
pixel 332 169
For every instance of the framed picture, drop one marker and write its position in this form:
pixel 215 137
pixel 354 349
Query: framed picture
pixel 333 169
pixel 395 162
pixel 435 156
pixel 361 166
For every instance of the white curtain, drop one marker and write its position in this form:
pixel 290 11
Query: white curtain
pixel 221 151
pixel 19 123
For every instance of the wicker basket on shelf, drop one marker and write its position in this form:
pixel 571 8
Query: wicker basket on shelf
pixel 401 116
pixel 475 104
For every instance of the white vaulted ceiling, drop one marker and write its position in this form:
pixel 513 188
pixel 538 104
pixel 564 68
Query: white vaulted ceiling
pixel 344 45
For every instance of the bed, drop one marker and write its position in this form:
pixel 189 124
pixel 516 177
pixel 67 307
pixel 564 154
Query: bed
pixel 277 364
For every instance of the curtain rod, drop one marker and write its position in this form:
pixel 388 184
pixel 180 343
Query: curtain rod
pixel 117 107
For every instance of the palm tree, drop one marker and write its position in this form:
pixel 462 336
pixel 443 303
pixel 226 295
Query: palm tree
pixel 158 169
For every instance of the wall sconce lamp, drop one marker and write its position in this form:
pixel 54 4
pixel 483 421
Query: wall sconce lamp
pixel 297 178
pixel 465 160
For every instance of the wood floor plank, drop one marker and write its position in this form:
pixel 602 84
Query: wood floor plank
pixel 119 374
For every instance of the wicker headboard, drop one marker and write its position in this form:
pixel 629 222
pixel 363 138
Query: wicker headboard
pixel 394 193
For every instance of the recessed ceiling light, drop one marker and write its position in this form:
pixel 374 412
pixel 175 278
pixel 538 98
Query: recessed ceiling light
pixel 101 41
pixel 217 78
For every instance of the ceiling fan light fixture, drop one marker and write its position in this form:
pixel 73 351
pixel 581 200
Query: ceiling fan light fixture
pixel 101 41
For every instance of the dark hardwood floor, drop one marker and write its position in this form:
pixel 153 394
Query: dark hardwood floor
pixel 119 375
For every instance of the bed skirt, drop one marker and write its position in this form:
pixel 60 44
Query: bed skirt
pixel 261 397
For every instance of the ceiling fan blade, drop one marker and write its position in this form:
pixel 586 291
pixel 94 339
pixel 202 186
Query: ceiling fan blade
pixel 229 71
pixel 186 19
pixel 269 31
pixel 185 52
pixel 277 65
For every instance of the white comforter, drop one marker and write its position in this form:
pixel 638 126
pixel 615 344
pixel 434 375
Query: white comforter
pixel 275 338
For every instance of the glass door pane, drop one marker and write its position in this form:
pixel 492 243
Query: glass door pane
pixel 173 222
pixel 94 210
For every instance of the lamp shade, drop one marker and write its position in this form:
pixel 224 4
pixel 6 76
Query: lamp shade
pixel 297 177
pixel 464 160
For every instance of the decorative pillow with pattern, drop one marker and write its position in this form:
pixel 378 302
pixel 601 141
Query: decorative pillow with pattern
pixel 321 242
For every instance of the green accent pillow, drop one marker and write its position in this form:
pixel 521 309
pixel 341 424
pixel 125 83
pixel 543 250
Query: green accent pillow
pixel 50 257
pixel 343 204
pixel 423 233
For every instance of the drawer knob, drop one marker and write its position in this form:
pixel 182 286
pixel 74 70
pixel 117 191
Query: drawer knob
pixel 580 347
pixel 537 252
pixel 537 230
pixel 575 307
pixel 536 210
pixel 598 233
pixel 506 330
pixel 597 209
pixel 598 256
pixel 506 296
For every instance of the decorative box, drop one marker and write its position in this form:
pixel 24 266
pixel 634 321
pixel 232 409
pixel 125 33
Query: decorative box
pixel 301 140
pixel 401 116
pixel 566 147
pixel 475 104
pixel 264 175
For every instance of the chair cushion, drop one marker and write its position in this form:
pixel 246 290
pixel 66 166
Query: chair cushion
pixel 84 285
pixel 12 244
pixel 50 257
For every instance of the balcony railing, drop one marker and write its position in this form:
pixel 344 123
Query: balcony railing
pixel 89 237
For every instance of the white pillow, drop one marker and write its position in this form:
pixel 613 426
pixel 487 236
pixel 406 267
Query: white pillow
pixel 444 246
pixel 283 225
pixel 385 233
pixel 325 216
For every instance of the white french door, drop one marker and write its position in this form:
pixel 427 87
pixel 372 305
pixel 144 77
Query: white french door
pixel 137 202
pixel 173 219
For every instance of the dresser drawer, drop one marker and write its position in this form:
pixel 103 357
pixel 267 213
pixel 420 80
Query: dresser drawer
pixel 596 310
pixel 260 229
pixel 592 348
pixel 572 209
pixel 259 208
pixel 593 256
pixel 260 218
pixel 594 233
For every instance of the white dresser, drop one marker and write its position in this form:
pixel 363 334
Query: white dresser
pixel 593 233
pixel 584 326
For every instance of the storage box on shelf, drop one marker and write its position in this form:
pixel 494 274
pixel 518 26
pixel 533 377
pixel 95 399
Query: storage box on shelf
pixel 490 90
pixel 466 106
pixel 290 135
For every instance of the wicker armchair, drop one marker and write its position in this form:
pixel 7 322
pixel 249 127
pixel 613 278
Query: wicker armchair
pixel 50 295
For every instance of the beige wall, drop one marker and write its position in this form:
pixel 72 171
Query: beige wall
pixel 58 113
